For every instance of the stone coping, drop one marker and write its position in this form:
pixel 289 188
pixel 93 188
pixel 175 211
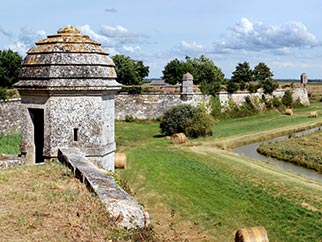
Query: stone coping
pixel 123 208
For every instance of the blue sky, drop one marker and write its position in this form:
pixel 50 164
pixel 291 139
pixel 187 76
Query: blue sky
pixel 286 35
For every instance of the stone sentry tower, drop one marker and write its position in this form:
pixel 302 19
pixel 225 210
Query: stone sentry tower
pixel 67 87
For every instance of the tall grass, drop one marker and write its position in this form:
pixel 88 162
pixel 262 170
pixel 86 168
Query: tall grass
pixel 9 144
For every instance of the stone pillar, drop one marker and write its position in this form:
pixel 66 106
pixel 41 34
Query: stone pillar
pixel 187 86
pixel 304 79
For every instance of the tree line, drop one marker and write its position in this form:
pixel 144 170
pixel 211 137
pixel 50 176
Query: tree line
pixel 206 74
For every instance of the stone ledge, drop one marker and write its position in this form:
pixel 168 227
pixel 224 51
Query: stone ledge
pixel 10 161
pixel 123 208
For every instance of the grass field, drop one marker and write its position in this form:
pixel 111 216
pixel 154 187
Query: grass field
pixel 193 192
pixel 304 151
pixel 201 193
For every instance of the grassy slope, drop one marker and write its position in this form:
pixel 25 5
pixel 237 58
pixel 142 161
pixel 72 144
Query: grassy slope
pixel 202 193
pixel 46 203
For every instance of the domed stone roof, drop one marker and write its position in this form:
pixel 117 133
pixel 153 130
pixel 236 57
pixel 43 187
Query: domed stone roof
pixel 187 77
pixel 68 59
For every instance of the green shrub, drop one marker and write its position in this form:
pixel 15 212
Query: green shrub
pixel 287 98
pixel 215 107
pixel 131 89
pixel 192 121
pixel 129 118
pixel 202 124
pixel 3 93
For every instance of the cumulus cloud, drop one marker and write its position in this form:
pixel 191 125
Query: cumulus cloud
pixel 121 34
pixel 116 39
pixel 132 49
pixel 189 48
pixel 24 40
pixel 254 36
pixel 104 40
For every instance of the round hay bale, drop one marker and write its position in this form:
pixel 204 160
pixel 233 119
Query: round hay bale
pixel 289 111
pixel 254 234
pixel 120 160
pixel 314 114
pixel 178 138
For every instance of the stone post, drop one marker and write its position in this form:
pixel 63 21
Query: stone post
pixel 187 86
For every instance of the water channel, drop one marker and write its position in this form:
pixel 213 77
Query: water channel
pixel 250 150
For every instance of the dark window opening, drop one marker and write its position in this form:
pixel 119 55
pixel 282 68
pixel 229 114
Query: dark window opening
pixel 76 134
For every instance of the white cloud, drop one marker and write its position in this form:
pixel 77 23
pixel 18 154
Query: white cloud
pixel 132 49
pixel 24 40
pixel 244 26
pixel 257 36
pixel 105 41
pixel 19 47
pixel 189 48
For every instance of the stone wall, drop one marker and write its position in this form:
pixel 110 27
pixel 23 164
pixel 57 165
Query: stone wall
pixel 10 112
pixel 153 105
pixel 239 98
pixel 144 106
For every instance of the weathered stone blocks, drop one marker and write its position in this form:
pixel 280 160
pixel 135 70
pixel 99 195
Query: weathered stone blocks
pixel 123 208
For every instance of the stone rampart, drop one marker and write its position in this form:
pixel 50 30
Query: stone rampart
pixel 153 105
pixel 10 112
pixel 147 105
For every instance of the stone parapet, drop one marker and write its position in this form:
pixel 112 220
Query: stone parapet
pixel 123 208
pixel 10 116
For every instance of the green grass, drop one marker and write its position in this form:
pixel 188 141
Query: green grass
pixel 216 193
pixel 9 144
pixel 266 121
pixel 304 151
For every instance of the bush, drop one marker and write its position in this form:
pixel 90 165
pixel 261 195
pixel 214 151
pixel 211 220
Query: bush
pixel 131 89
pixel 3 93
pixel 129 118
pixel 287 98
pixel 192 121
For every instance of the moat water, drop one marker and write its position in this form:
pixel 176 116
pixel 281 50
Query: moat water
pixel 250 150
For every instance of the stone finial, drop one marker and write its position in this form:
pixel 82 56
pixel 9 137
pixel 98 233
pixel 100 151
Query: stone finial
pixel 68 29
pixel 187 77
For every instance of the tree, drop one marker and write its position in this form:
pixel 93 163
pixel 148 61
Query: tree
pixel 205 73
pixel 10 65
pixel 287 99
pixel 129 71
pixel 269 85
pixel 193 121
pixel 262 72
pixel 242 73
pixel 173 71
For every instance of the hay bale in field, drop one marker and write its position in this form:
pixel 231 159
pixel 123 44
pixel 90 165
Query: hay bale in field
pixel 254 234
pixel 120 160
pixel 289 111
pixel 314 114
pixel 178 138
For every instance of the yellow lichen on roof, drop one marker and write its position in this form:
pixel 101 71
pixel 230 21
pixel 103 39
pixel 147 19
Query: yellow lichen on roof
pixel 68 29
